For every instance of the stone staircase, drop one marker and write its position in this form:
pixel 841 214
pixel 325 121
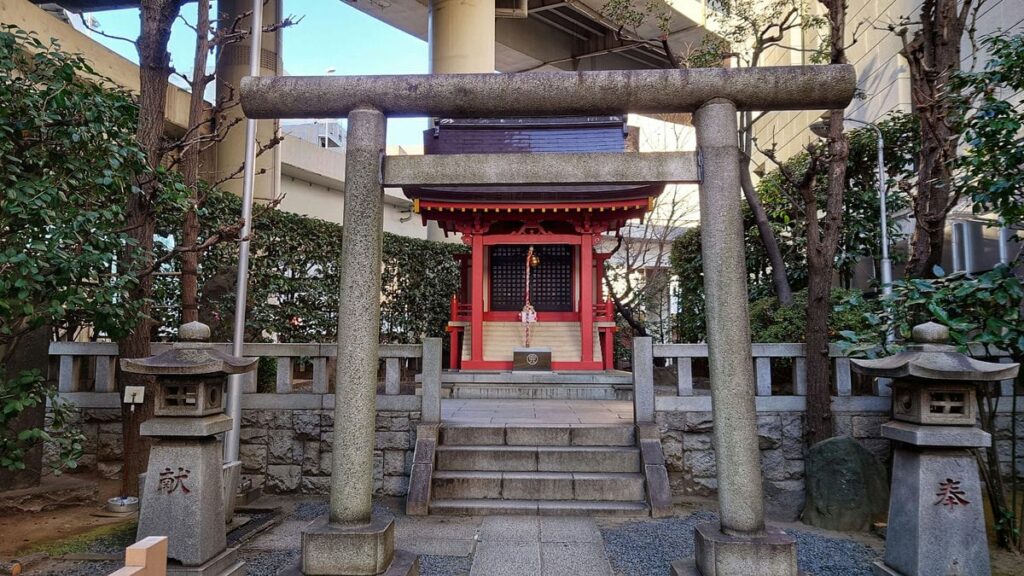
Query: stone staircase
pixel 555 469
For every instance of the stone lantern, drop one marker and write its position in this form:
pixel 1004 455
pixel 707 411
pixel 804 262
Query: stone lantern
pixel 183 494
pixel 936 514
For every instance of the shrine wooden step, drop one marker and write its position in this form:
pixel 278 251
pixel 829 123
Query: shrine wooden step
pixel 584 486
pixel 480 507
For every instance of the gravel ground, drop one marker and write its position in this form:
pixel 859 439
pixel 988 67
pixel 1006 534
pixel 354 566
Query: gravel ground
pixel 313 509
pixel 646 548
pixel 445 565
pixel 268 562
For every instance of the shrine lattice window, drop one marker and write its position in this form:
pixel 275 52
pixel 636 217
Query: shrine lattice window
pixel 551 283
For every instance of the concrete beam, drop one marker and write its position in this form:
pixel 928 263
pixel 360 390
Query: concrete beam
pixel 571 168
pixel 105 62
pixel 550 93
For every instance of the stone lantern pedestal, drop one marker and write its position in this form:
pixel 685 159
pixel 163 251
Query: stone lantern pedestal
pixel 936 511
pixel 184 483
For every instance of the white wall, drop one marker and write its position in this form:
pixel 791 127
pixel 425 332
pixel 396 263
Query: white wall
pixel 882 74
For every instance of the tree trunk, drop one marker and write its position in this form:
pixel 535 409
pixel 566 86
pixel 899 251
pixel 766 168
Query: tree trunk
pixel 822 242
pixel 933 56
pixel 29 352
pixel 154 69
pixel 783 291
pixel 190 170
pixel 991 473
pixel 819 388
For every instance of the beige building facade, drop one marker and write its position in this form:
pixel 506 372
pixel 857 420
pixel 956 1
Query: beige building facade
pixel 883 77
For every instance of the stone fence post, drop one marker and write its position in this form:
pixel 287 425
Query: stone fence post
pixel 431 407
pixel 643 379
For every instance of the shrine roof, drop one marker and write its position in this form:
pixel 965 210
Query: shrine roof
pixel 532 135
pixel 496 135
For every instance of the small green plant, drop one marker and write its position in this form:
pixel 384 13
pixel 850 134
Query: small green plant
pixel 26 390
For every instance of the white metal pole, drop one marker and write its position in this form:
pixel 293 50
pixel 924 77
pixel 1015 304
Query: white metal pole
pixel 234 395
pixel 886 263
pixel 885 266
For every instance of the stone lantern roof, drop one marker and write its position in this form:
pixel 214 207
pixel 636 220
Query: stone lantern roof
pixel 931 357
pixel 192 356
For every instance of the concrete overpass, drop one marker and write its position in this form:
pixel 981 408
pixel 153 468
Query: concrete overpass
pixel 532 34
pixel 464 36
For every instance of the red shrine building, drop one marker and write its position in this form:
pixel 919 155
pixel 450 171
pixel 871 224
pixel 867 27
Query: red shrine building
pixel 532 244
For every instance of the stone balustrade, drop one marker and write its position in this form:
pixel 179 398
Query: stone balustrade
pixel 679 405
pixel 90 366
pixel 285 436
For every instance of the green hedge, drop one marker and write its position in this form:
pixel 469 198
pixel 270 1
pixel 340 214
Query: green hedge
pixel 773 323
pixel 294 279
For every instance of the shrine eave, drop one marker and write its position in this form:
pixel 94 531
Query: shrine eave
pixel 576 195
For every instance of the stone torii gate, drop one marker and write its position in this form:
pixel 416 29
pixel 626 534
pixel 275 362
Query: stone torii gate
pixel 355 541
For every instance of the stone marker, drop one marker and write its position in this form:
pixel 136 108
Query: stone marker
pixel 936 513
pixel 184 484
pixel 846 486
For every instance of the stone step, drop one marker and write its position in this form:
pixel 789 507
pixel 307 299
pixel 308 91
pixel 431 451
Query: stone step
pixel 512 435
pixel 480 507
pixel 539 458
pixel 593 486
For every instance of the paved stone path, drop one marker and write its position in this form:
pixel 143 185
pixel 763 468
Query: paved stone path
pixel 510 545
pixel 542 545
pixel 530 412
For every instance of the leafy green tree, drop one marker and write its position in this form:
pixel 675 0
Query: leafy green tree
pixel 992 169
pixel 69 163
pixel 859 237
pixel 984 311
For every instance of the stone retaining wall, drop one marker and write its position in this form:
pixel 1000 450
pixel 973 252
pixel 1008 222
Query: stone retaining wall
pixel 285 442
pixel 690 457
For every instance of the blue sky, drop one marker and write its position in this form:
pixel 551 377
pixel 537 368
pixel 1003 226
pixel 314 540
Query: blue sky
pixel 332 34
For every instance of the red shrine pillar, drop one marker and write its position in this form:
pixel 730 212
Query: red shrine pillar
pixel 587 298
pixel 476 299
